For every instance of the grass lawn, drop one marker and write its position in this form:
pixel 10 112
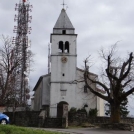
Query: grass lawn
pixel 9 129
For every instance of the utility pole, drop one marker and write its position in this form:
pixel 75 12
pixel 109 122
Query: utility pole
pixel 21 50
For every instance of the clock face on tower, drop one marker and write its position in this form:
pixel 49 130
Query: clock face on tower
pixel 64 59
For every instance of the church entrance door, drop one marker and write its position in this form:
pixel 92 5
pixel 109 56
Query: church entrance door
pixel 62 109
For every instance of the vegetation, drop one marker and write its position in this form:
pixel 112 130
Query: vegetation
pixel 6 70
pixel 8 129
pixel 73 110
pixel 116 80
pixel 93 112
pixel 82 110
pixel 10 66
pixel 123 108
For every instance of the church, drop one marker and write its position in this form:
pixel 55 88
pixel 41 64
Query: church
pixel 63 87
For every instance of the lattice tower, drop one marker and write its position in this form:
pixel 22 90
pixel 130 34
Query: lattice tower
pixel 21 50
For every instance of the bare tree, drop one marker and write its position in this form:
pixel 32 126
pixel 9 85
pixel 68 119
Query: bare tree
pixel 6 69
pixel 9 64
pixel 117 81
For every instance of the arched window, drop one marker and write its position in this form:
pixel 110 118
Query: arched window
pixel 61 48
pixel 66 47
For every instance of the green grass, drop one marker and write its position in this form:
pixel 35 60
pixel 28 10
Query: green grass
pixel 9 129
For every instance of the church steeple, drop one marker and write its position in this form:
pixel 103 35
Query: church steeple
pixel 63 63
pixel 63 24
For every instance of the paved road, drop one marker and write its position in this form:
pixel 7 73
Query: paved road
pixel 90 131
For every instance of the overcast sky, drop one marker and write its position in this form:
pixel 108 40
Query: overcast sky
pixel 98 23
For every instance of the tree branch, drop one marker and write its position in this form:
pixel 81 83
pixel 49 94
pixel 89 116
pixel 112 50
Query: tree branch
pixel 127 93
pixel 92 90
pixel 128 62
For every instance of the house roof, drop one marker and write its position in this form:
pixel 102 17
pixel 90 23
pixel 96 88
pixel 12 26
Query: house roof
pixel 63 21
pixel 39 80
pixel 100 90
pixel 82 70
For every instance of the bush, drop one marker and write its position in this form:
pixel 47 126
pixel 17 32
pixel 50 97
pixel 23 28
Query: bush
pixel 93 112
pixel 82 110
pixel 73 110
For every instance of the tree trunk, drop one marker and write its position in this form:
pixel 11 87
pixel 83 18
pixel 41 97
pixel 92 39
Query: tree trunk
pixel 115 113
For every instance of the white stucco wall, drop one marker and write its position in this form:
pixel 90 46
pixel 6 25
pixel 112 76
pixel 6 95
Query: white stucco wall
pixel 100 107
pixel 56 97
pixel 75 96
pixel 68 69
pixel 38 97
pixel 46 90
pixel 32 103
pixel 59 81
pixel 83 98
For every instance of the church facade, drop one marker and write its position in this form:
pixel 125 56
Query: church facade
pixel 64 87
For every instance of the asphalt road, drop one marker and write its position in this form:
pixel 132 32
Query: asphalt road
pixel 90 131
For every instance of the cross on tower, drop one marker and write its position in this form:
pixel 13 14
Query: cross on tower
pixel 63 4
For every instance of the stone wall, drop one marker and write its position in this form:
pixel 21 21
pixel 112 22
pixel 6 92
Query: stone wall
pixel 81 117
pixel 77 118
pixel 118 126
pixel 54 123
pixel 98 120
pixel 33 119
pixel 24 118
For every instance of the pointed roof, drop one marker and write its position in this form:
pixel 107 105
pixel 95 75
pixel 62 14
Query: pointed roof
pixel 63 21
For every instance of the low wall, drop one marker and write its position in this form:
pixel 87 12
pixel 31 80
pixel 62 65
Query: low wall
pixel 80 117
pixel 77 118
pixel 118 126
pixel 24 118
pixel 54 123
pixel 98 120
pixel 32 119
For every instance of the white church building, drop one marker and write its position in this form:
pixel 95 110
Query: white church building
pixel 60 90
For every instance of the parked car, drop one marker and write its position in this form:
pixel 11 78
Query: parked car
pixel 4 119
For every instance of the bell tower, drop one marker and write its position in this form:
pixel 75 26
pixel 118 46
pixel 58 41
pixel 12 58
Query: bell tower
pixel 63 63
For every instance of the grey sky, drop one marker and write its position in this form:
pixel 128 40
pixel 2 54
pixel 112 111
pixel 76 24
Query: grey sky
pixel 98 23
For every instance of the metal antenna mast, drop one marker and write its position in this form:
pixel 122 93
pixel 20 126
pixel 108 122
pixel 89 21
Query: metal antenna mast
pixel 21 50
